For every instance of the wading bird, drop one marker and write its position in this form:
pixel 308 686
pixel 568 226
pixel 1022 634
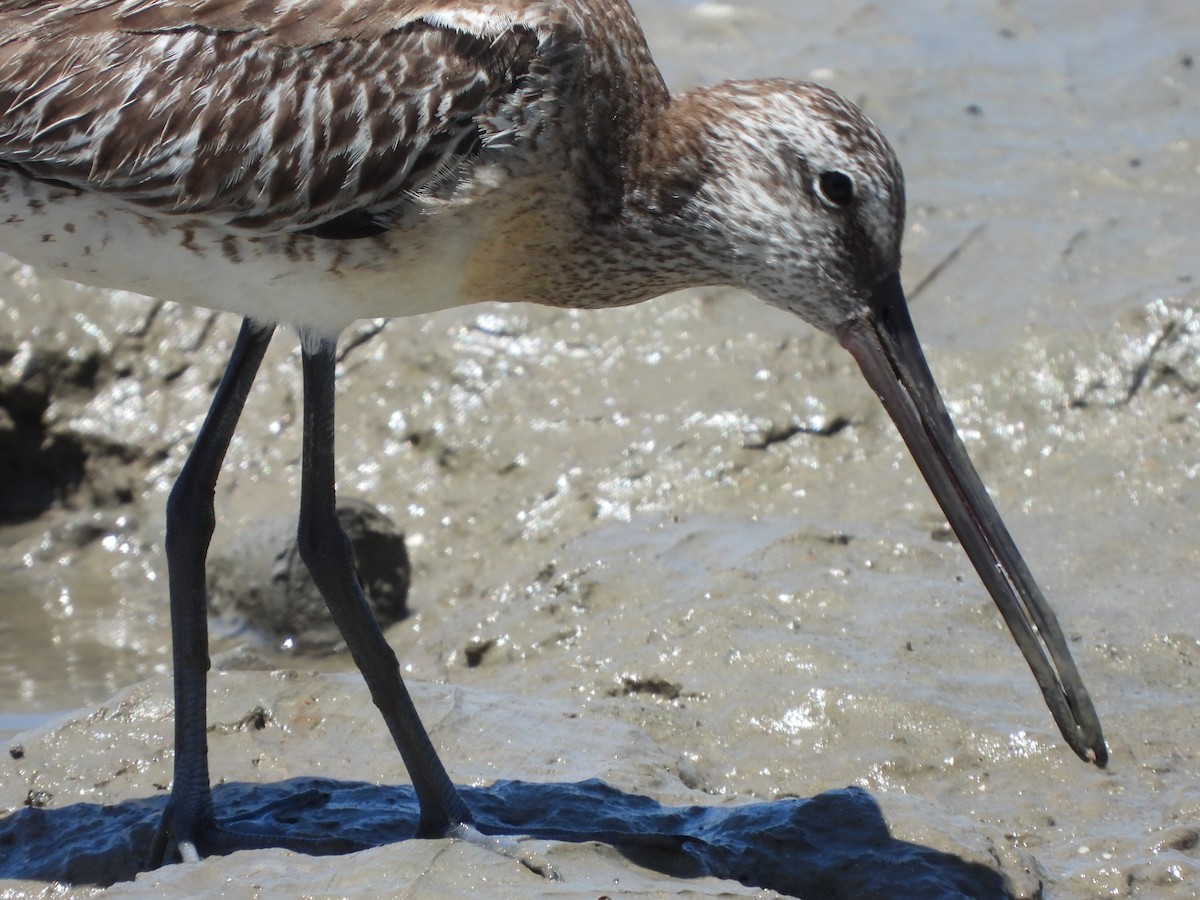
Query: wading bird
pixel 313 162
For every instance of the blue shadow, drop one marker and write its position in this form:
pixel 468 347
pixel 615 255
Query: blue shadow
pixel 832 846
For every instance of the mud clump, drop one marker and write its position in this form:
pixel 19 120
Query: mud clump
pixel 260 579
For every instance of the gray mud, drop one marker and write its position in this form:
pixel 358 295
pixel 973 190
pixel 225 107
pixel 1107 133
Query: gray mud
pixel 679 546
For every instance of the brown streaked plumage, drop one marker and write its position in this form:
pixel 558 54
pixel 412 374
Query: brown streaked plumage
pixel 311 162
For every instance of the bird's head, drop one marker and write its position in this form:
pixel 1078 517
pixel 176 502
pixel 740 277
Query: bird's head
pixel 791 192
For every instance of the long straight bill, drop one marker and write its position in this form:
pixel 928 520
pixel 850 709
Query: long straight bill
pixel 885 346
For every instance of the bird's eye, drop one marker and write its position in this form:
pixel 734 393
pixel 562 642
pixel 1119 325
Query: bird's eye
pixel 837 188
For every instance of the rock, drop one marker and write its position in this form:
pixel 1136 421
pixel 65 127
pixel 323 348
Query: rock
pixel 259 577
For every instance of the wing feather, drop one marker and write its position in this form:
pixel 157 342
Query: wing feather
pixel 262 114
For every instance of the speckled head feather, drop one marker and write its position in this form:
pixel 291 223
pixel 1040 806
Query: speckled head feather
pixel 743 170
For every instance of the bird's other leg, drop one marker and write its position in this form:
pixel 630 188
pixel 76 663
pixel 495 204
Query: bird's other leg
pixel 190 523
pixel 326 551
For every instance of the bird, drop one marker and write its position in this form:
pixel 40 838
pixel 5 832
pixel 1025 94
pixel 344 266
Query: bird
pixel 309 163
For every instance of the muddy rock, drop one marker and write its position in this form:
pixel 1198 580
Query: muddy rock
pixel 259 578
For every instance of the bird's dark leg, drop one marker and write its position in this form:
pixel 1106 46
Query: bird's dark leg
pixel 326 551
pixel 190 522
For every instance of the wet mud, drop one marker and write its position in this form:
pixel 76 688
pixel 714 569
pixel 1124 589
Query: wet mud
pixel 678 548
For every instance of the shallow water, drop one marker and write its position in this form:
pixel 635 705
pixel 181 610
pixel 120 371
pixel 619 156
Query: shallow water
pixel 596 502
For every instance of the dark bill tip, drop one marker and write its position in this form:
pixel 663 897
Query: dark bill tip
pixel 884 343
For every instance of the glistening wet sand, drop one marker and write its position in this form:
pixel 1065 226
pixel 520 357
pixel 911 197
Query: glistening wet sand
pixel 610 512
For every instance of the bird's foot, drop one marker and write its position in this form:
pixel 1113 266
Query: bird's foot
pixel 189 832
pixel 179 836
pixel 509 846
pixel 193 837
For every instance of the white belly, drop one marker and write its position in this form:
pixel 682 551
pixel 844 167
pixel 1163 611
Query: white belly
pixel 317 284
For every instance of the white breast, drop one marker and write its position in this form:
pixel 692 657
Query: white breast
pixel 296 279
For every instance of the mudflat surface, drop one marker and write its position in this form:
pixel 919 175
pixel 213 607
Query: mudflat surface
pixel 679 548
